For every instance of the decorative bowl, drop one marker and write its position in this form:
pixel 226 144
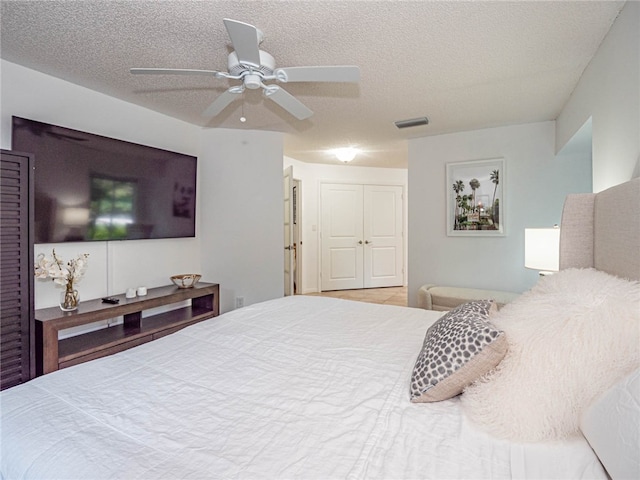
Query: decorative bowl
pixel 186 280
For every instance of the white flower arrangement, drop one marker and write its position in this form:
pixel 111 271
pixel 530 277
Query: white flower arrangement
pixel 63 275
pixel 55 269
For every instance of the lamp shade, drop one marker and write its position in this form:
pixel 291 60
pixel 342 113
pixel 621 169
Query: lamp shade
pixel 542 249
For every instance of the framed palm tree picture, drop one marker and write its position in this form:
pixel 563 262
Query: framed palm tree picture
pixel 475 194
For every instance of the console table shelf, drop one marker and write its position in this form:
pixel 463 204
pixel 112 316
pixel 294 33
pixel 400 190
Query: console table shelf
pixel 53 354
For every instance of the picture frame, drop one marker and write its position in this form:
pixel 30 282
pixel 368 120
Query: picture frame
pixel 470 185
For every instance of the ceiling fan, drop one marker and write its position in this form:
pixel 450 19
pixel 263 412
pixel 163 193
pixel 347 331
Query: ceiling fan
pixel 254 67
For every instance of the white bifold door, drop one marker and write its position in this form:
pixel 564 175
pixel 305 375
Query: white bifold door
pixel 362 236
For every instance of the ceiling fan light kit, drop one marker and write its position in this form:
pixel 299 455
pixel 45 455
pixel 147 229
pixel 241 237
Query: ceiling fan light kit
pixel 254 67
pixel 413 122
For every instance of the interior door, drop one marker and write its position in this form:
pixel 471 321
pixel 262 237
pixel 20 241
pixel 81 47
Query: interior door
pixel 288 231
pixel 341 236
pixel 362 236
pixel 297 236
pixel 383 236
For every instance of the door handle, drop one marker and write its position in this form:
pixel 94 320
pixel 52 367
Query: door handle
pixel 359 242
pixel 288 247
pixel 367 242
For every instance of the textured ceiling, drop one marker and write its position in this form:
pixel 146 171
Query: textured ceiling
pixel 464 65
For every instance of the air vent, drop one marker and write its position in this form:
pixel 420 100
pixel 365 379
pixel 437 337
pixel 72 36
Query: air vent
pixel 413 122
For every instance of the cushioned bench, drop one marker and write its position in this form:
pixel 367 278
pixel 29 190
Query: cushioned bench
pixel 435 297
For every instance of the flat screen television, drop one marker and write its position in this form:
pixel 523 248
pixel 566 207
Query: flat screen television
pixel 94 188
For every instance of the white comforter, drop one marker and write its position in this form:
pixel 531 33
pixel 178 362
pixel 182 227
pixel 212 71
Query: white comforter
pixel 301 387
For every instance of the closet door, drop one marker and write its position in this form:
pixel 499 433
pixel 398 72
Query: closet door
pixel 342 242
pixel 383 236
pixel 17 351
pixel 362 236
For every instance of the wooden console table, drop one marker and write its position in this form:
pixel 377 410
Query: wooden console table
pixel 53 354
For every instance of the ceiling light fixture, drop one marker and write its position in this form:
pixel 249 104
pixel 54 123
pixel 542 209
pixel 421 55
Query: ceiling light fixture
pixel 413 122
pixel 346 154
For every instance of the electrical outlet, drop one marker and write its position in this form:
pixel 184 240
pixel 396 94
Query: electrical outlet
pixel 239 302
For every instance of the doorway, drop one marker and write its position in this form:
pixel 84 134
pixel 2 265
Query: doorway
pixel 292 233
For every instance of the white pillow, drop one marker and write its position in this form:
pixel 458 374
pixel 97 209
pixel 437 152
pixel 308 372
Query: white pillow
pixel 571 337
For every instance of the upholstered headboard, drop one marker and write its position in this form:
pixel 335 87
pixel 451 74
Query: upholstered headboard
pixel 602 230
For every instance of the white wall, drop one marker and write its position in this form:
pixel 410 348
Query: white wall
pixel 609 93
pixel 239 183
pixel 242 214
pixel 312 176
pixel 113 266
pixel 606 100
pixel 535 184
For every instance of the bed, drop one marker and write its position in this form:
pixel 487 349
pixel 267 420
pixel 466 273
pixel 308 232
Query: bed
pixel 299 387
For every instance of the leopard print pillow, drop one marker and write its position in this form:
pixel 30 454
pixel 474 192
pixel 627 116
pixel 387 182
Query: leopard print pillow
pixel 458 349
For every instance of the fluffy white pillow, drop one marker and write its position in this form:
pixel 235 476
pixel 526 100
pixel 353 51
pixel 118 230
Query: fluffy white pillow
pixel 571 337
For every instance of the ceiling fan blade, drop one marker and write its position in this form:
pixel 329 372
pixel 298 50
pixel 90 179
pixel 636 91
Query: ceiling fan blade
pixel 173 71
pixel 287 101
pixel 245 39
pixel 343 73
pixel 222 101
